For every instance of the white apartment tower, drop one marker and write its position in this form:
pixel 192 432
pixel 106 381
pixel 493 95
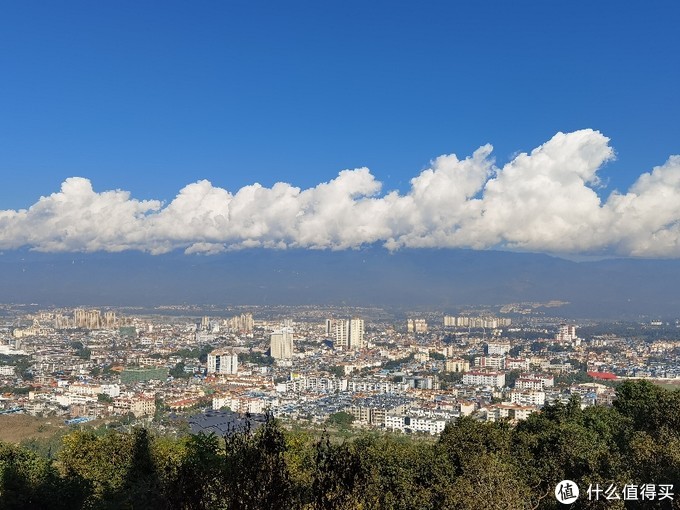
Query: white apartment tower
pixel 356 334
pixel 338 330
pixel 566 333
pixel 346 334
pixel 282 342
pixel 222 362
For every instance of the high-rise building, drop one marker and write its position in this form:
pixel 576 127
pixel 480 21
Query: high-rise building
pixel 346 334
pixel 338 330
pixel 566 333
pixel 246 322
pixel 61 321
pixel 457 365
pixel 205 324
pixel 243 323
pixel 110 319
pixel 222 362
pixel 87 319
pixel 282 342
pixel 416 326
pixel 356 333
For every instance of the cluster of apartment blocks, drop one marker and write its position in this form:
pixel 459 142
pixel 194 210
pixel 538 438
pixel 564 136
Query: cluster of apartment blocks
pixel 526 397
pixel 242 323
pixel 476 322
pixel 346 334
pixel 83 399
pixel 404 405
pixel 386 407
pixel 46 323
pixel 414 325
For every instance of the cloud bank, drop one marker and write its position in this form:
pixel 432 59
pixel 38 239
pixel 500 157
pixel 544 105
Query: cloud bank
pixel 543 201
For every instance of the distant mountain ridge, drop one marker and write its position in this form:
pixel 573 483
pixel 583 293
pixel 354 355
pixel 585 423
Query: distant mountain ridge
pixel 441 279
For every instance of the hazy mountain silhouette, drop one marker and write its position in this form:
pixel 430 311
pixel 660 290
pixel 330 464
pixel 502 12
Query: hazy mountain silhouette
pixel 443 279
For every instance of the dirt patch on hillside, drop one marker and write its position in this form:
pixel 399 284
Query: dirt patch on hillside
pixel 15 428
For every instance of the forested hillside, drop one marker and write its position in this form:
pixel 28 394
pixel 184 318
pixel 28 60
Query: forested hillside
pixel 471 466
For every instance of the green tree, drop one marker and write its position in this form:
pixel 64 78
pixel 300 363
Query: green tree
pixel 190 471
pixel 489 478
pixel 337 371
pixel 101 463
pixel 30 481
pixel 341 419
pixel 178 371
pixel 337 476
pixel 255 474
pixel 103 397
pixel 649 406
pixel 566 442
pixel 467 435
pixel 142 486
pixel 81 351
pixel 395 472
pixel 511 377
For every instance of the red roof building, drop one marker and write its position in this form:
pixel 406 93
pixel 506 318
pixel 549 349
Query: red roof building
pixel 604 376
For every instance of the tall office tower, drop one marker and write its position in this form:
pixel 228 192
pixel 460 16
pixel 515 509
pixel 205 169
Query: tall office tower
pixel 282 342
pixel 222 362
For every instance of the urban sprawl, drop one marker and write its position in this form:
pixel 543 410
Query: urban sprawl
pixel 411 374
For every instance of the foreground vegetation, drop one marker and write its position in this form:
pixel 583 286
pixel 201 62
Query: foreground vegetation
pixel 471 466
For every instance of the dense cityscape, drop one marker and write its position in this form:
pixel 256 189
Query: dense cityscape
pixel 319 366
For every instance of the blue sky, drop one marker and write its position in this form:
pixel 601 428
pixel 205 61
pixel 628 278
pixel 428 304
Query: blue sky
pixel 148 97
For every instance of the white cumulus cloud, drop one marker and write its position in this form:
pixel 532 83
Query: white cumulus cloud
pixel 541 201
